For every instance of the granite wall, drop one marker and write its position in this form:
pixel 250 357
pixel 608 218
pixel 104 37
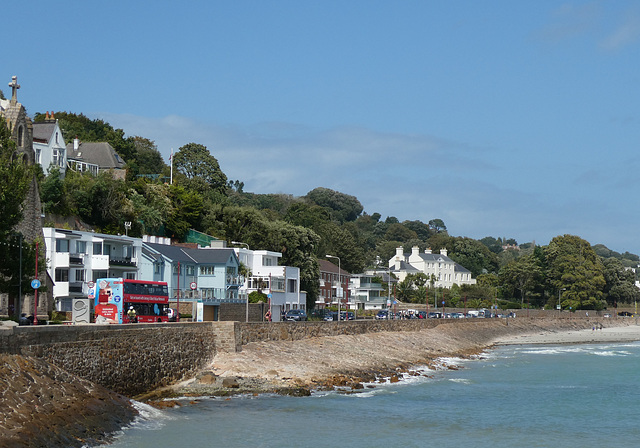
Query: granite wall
pixel 129 359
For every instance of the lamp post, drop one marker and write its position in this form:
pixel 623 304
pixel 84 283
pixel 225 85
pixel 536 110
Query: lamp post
pixel 244 244
pixel 339 287
pixel 559 306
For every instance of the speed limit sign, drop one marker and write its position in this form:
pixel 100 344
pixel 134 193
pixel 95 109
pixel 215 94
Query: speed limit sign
pixel 193 285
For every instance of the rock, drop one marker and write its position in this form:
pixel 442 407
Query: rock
pixel 230 382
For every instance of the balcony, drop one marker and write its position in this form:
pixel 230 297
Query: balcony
pixel 75 287
pixel 122 261
pixel 235 280
pixel 76 259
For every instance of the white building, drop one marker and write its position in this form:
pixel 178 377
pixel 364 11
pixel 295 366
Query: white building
pixel 280 283
pixel 74 258
pixel 367 294
pixel 444 270
pixel 48 145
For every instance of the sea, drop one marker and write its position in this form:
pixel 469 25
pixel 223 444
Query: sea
pixel 556 396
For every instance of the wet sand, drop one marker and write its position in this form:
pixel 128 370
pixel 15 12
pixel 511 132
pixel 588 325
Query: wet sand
pixel 596 335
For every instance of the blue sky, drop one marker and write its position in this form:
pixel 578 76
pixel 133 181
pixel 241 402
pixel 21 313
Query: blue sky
pixel 503 118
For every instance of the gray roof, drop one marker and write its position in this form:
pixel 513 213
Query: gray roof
pixel 192 256
pixel 42 132
pixel 96 153
pixel 433 257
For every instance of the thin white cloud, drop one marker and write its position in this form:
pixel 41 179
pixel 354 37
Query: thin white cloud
pixel 625 34
pixel 570 21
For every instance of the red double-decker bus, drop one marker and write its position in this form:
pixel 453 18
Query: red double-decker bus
pixel 115 296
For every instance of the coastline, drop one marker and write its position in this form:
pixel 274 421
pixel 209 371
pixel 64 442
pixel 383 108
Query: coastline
pixel 49 407
pixel 595 335
pixel 348 361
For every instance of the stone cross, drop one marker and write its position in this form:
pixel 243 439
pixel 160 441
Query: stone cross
pixel 14 89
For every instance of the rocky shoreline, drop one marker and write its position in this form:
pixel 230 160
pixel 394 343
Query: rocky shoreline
pixel 350 361
pixel 45 406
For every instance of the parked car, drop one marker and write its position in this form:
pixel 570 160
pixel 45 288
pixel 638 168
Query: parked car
pixel 382 314
pixel 625 314
pixel 297 315
pixel 347 315
pixel 330 317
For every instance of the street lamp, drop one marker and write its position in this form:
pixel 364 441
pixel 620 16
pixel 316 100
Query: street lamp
pixel 559 306
pixel 244 244
pixel 339 284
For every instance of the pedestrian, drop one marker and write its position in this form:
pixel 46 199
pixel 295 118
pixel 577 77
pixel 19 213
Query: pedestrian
pixel 131 314
pixel 268 315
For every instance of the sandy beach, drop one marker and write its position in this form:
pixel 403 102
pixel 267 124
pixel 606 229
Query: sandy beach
pixel 594 335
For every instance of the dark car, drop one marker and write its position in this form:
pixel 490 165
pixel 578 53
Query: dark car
pixel 297 315
pixel 382 314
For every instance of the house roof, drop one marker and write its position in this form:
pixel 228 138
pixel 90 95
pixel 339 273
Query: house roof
pixel 460 268
pixel 42 132
pixel 188 255
pixel 96 153
pixel 433 257
pixel 327 266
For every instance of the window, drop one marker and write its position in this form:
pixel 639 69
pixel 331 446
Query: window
pixel 207 270
pixel 62 275
pixel 62 245
pixel 55 158
pixel 99 274
pixel 131 276
pixel 258 283
pixel 267 261
pixel 81 247
pixel 80 275
pixel 97 248
pixel 190 270
pixel 127 251
pixel 277 283
pixel 291 285
pixel 156 268
pixel 177 269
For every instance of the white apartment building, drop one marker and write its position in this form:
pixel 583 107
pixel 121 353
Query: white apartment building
pixel 75 258
pixel 280 283
pixel 444 270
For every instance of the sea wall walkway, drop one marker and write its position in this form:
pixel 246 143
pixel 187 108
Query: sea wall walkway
pixel 137 358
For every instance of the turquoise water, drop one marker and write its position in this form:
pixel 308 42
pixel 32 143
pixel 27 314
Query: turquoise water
pixel 516 396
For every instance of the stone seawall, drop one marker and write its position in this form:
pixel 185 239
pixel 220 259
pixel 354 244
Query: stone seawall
pixel 128 359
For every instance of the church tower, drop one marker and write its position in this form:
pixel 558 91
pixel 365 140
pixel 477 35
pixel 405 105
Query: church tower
pixel 21 128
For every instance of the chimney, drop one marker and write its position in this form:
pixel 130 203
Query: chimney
pixel 399 257
pixel 415 250
pixel 427 250
pixel 443 251
pixel 46 116
pixel 76 144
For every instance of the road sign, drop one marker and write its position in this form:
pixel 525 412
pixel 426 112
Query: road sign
pixel 35 283
pixel 91 285
pixel 194 285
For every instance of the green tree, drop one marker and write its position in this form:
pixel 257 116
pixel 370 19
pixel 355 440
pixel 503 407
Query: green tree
pixel 574 266
pixel 620 283
pixel 147 158
pixel 437 225
pixel 15 179
pixel 200 169
pixel 522 277
pixel 343 207
pixel 186 212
